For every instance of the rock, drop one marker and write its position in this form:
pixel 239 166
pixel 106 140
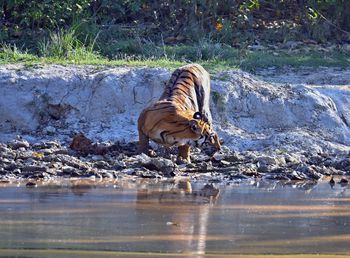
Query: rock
pixel 129 171
pixel 143 158
pixel 346 47
pixel 295 175
pixel 205 166
pixel 166 166
pixel 145 173
pixel 16 144
pixel 290 158
pixel 312 173
pixel 97 158
pixel 12 166
pixel 5 161
pixel 85 146
pixel 234 157
pixel 271 161
pixel 102 164
pixel 33 168
pixel 209 191
pixel 343 164
pixel 256 47
pixel 47 145
pixel 199 157
pixel 107 174
pixel 276 177
pixel 249 171
pixel 44 152
pixel 49 130
pixel 62 151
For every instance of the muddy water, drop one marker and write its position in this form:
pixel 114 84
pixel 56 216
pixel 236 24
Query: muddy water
pixel 165 219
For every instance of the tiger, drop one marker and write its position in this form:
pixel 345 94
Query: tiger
pixel 181 117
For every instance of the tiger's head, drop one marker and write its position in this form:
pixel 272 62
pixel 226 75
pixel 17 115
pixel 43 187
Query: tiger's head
pixel 207 137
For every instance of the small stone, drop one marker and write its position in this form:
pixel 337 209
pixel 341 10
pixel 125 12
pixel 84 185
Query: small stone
pixel 266 160
pixel 102 164
pixel 46 151
pixel 262 168
pixel 62 151
pixel 31 184
pixel 145 173
pixel 171 223
pixel 343 182
pixel 106 174
pixel 128 171
pixel 224 163
pixel 16 144
pixel 11 166
pixel 219 156
pixel 205 166
pixel 52 144
pixel 17 171
pixel 295 175
pixel 68 170
pixel 97 157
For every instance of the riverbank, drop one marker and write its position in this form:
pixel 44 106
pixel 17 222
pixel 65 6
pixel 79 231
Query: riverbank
pixel 285 125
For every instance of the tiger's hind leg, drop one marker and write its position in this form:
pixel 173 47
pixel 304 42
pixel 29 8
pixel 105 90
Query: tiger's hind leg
pixel 143 143
pixel 184 154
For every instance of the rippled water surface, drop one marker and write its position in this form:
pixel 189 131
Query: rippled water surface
pixel 162 219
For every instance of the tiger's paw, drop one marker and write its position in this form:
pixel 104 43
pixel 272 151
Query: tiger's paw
pixel 152 153
pixel 182 161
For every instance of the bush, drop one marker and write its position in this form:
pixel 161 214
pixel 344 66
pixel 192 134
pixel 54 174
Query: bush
pixel 106 24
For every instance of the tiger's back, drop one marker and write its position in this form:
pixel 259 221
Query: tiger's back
pixel 189 86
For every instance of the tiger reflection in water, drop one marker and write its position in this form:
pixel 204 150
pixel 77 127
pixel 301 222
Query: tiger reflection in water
pixel 181 213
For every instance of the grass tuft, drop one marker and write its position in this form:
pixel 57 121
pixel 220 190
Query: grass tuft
pixel 64 44
pixel 65 47
pixel 11 54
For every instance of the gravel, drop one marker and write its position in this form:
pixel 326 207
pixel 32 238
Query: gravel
pixel 49 160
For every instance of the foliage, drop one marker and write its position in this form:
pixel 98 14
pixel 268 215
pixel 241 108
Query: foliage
pixel 210 31
pixel 174 21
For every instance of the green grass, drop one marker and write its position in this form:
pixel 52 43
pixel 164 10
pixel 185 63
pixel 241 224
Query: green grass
pixel 65 49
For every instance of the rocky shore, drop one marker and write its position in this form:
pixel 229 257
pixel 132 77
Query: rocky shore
pixel 51 160
pixel 282 127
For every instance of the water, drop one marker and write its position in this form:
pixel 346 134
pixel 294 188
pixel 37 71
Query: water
pixel 164 219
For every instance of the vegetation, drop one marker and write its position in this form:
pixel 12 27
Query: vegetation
pixel 247 33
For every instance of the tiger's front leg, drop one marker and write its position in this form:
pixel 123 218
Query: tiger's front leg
pixel 184 153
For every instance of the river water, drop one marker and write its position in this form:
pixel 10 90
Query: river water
pixel 143 218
